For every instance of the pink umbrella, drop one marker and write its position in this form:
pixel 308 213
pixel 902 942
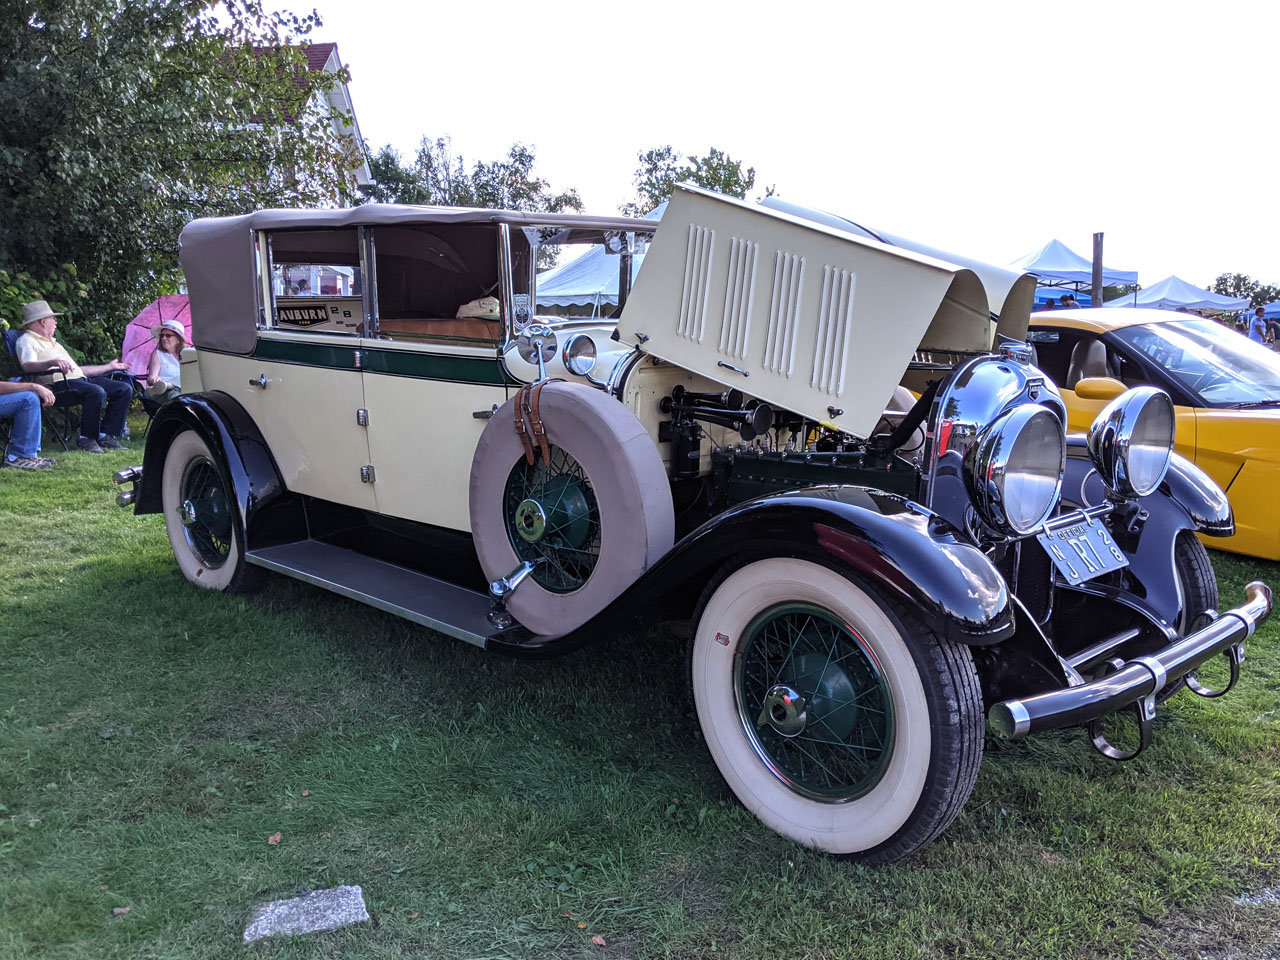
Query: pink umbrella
pixel 138 343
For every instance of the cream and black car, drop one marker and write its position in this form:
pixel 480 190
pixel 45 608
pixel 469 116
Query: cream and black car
pixel 831 454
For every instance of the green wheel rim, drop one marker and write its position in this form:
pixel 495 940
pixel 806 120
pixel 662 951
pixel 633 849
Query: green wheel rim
pixel 553 520
pixel 813 702
pixel 205 512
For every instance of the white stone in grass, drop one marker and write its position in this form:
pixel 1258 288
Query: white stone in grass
pixel 1266 895
pixel 314 913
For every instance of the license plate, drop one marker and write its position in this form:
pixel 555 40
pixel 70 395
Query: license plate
pixel 1082 551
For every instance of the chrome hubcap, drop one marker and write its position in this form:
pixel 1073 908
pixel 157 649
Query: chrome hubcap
pixel 530 521
pixel 188 513
pixel 784 710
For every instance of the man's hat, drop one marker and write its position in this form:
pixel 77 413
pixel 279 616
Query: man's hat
pixel 37 310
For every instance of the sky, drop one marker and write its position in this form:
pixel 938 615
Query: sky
pixel 984 128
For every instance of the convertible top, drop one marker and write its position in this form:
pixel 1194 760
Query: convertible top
pixel 218 257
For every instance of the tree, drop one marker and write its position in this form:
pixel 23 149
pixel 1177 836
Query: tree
pixel 437 177
pixel 661 168
pixel 124 119
pixel 1242 285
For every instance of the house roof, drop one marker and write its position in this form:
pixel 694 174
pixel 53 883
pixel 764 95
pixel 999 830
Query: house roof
pixel 318 54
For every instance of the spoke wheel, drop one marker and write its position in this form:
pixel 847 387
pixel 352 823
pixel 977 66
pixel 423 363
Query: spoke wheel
pixel 553 520
pixel 590 519
pixel 814 703
pixel 205 512
pixel 200 518
pixel 842 723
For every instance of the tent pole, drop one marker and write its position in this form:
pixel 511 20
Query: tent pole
pixel 1096 292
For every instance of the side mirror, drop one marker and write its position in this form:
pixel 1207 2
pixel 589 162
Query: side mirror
pixel 1099 388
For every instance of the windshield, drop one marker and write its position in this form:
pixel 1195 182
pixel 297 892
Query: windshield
pixel 1217 365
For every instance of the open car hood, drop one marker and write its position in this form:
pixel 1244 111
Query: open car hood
pixel 801 314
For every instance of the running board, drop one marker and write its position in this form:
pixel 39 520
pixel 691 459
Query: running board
pixel 434 603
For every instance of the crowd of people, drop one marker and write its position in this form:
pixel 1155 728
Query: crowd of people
pixel 103 391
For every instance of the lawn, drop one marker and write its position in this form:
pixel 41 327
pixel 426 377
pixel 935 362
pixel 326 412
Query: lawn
pixel 154 737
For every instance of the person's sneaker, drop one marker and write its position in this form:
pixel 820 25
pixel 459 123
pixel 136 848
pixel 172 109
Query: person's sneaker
pixel 110 443
pixel 89 444
pixel 29 463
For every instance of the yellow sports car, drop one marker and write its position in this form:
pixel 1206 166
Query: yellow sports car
pixel 1225 389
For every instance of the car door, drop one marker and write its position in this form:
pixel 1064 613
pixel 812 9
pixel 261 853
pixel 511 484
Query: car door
pixel 302 385
pixel 431 378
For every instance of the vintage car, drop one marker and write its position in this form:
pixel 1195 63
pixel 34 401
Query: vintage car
pixel 797 439
pixel 1225 391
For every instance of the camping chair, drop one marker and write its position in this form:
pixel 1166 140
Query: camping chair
pixel 59 420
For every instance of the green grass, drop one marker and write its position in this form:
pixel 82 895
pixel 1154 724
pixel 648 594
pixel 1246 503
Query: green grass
pixel 154 736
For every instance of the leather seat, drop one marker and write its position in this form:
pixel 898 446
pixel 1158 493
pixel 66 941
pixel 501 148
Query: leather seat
pixel 1088 359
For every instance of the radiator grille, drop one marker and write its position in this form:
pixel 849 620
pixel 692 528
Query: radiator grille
pixel 784 313
pixel 735 327
pixel 835 318
pixel 697 280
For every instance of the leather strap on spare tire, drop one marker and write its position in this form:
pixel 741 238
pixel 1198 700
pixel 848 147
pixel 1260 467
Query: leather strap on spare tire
pixel 528 420
pixel 579 490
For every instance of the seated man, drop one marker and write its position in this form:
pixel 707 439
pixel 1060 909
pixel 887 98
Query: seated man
pixel 21 401
pixel 40 354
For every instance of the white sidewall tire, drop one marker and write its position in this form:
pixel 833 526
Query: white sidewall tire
pixel 186 447
pixel 631 487
pixel 839 828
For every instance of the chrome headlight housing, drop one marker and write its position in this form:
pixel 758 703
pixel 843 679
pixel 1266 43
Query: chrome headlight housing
pixel 1014 469
pixel 579 355
pixel 1131 441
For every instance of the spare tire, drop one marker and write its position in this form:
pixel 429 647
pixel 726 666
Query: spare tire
pixel 591 520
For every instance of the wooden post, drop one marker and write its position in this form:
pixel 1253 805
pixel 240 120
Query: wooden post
pixel 1096 292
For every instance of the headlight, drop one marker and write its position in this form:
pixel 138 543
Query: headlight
pixel 1014 470
pixel 580 355
pixel 1131 441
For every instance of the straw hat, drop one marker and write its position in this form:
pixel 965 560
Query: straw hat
pixel 37 310
pixel 173 326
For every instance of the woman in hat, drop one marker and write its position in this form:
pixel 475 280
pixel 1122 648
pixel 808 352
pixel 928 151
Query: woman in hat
pixel 164 369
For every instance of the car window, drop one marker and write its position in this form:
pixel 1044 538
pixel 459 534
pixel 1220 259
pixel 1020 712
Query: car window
pixel 316 285
pixel 438 283
pixel 1217 366
pixel 1053 351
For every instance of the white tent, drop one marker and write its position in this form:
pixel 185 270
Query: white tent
pixel 1173 292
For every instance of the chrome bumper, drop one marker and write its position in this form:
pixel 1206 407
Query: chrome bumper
pixel 1138 680
pixel 128 475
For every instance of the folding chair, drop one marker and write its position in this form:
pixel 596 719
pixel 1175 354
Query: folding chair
pixel 59 420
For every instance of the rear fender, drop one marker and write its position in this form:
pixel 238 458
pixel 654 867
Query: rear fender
pixel 896 548
pixel 234 439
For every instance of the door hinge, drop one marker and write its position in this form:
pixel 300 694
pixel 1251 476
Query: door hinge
pixel 366 474
pixel 362 417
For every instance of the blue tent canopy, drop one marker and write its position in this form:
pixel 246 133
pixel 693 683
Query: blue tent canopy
pixel 1055 262
pixel 1173 292
pixel 1269 310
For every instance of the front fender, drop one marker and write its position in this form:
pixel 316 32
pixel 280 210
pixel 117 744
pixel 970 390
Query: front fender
pixel 233 438
pixel 1187 500
pixel 895 547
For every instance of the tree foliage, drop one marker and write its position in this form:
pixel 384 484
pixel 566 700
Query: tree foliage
pixel 437 177
pixel 1242 285
pixel 124 119
pixel 661 168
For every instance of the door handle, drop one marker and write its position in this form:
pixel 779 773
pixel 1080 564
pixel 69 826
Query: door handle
pixel 260 382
